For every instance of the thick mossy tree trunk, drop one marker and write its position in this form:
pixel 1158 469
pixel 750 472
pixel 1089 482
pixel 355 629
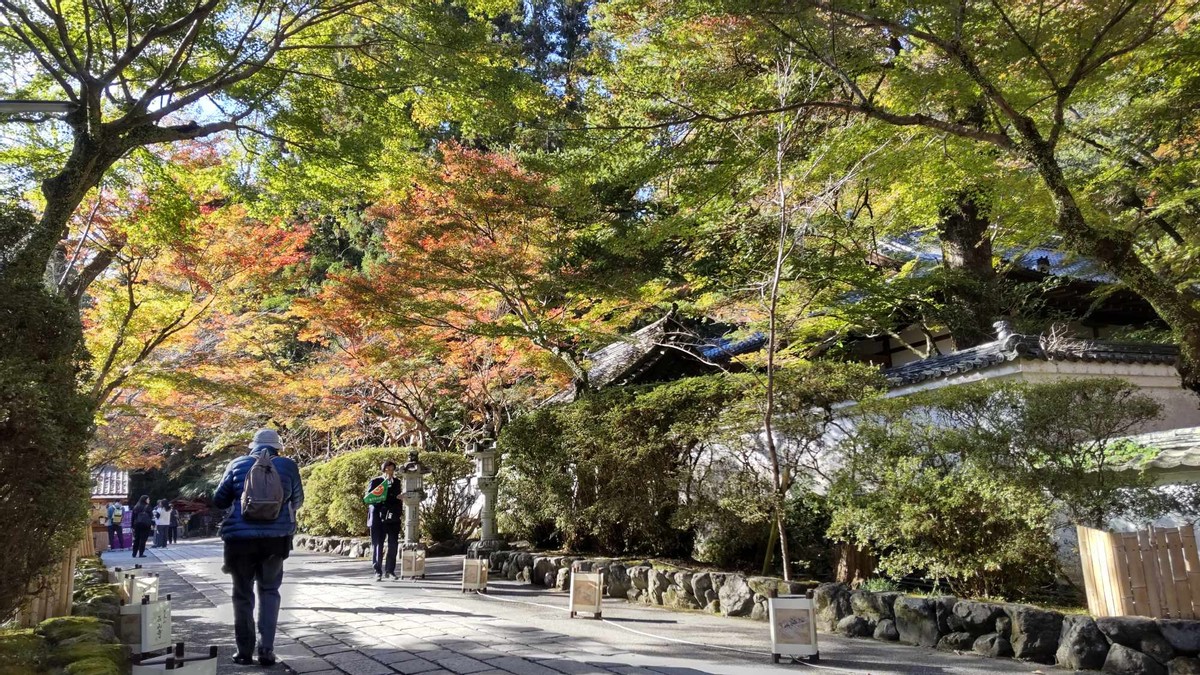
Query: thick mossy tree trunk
pixel 1116 252
pixel 969 281
pixel 44 422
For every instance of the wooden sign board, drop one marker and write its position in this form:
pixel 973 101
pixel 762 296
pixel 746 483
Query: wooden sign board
pixel 180 662
pixel 475 575
pixel 412 563
pixel 129 624
pixel 586 593
pixel 156 626
pixel 200 666
pixel 793 627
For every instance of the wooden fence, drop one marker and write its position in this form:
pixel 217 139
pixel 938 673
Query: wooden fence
pixel 52 596
pixel 1153 572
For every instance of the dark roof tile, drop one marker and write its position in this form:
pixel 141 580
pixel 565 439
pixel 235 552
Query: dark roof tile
pixel 109 482
pixel 1028 346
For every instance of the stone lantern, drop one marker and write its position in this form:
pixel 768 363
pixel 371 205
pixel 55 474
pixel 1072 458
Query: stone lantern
pixel 412 476
pixel 486 481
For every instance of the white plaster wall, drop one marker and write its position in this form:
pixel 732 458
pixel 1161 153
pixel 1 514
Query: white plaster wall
pixel 1181 408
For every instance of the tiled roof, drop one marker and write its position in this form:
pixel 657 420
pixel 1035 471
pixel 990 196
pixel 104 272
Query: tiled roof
pixel 1028 346
pixel 627 359
pixel 1176 448
pixel 623 359
pixel 927 251
pixel 109 482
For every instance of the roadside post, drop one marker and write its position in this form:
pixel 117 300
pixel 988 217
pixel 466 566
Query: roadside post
pixel 587 592
pixel 793 627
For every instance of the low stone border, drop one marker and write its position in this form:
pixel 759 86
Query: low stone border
pixel 727 594
pixel 1077 642
pixel 360 547
pixel 94 595
pixel 351 547
pixel 1132 645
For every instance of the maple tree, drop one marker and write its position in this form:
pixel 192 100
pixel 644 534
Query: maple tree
pixel 481 247
pixel 183 252
pixel 1019 95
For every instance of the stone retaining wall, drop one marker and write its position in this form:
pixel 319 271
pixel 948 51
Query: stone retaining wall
pixel 728 594
pixel 353 547
pixel 360 547
pixel 1077 642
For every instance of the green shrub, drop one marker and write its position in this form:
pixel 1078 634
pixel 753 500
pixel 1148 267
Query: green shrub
pixel 610 472
pixel 21 652
pixel 669 468
pixel 880 585
pixel 965 484
pixel 334 489
pixel 97 665
pixel 446 511
pixel 45 424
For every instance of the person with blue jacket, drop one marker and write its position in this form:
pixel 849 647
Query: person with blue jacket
pixel 255 550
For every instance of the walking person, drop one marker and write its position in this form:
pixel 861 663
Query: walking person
pixel 174 531
pixel 116 536
pixel 162 523
pixel 384 513
pixel 143 523
pixel 264 492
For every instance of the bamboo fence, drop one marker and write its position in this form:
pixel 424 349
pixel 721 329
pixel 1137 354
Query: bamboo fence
pixel 52 595
pixel 1153 572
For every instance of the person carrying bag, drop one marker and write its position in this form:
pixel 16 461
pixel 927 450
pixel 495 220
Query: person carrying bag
pixel 384 511
pixel 143 524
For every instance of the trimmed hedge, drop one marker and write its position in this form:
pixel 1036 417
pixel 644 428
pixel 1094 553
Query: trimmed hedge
pixel 333 490
pixel 45 423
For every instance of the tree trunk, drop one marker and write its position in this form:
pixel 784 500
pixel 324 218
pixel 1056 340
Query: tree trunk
pixel 1116 253
pixel 969 280
pixel 64 192
pixel 785 555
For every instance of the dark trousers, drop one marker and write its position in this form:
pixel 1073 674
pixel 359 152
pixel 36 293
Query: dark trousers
pixel 256 562
pixel 140 534
pixel 380 533
pixel 116 536
pixel 160 536
pixel 174 534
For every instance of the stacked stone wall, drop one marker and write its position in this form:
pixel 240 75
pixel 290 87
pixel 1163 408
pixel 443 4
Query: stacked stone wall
pixel 999 630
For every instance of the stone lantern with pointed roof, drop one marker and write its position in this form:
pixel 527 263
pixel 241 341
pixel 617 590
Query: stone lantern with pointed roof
pixel 484 456
pixel 412 476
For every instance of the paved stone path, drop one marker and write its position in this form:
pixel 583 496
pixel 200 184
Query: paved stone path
pixel 337 620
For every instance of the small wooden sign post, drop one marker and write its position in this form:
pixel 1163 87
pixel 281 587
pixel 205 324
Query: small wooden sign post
pixel 586 593
pixel 138 583
pixel 156 625
pixel 412 563
pixel 793 628
pixel 475 575
pixel 179 662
